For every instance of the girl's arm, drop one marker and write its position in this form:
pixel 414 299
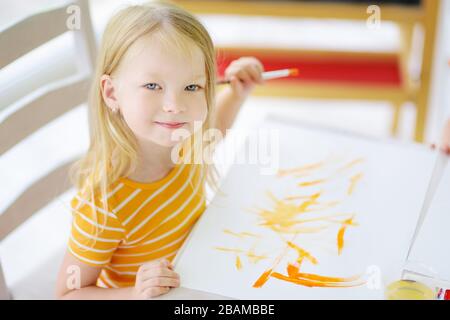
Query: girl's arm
pixel 74 273
pixel 153 279
pixel 243 73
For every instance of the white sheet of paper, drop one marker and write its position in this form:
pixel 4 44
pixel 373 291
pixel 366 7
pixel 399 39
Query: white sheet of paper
pixel 386 203
pixel 430 251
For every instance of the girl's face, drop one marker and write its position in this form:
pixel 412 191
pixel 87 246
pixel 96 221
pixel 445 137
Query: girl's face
pixel 159 90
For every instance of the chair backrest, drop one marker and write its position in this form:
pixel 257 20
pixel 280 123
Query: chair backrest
pixel 45 104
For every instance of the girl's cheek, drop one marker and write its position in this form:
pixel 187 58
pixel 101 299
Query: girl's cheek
pixel 203 109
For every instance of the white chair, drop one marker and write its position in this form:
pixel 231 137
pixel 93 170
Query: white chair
pixel 40 107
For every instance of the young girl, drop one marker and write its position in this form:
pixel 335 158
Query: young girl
pixel 135 206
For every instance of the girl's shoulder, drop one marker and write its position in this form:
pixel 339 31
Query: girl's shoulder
pixel 95 198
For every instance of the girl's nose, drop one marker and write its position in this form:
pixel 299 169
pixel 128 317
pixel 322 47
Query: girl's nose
pixel 173 105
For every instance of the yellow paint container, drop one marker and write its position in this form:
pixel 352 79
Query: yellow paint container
pixel 408 290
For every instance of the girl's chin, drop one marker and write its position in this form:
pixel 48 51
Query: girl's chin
pixel 165 143
pixel 166 139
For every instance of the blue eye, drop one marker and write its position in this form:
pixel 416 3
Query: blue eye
pixel 193 87
pixel 152 86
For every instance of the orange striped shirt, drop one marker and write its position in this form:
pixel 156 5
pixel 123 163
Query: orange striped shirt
pixel 144 222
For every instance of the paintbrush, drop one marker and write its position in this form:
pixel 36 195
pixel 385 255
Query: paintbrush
pixel 275 74
pixel 436 177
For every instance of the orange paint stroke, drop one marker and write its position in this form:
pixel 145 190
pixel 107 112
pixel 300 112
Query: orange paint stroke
pixel 265 276
pixel 306 204
pixel 229 249
pixel 284 214
pixel 311 183
pixel 293 272
pixel 342 283
pixel 241 234
pixel 323 206
pixel 351 164
pixel 302 253
pixel 353 181
pixel 238 263
pixel 262 279
pixel 322 219
pixel 249 254
pixel 340 235
pixel 294 229
pixel 292 269
pixel 292 198
pixel 317 277
pixel 300 170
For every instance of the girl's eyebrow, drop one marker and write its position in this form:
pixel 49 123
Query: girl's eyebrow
pixel 157 76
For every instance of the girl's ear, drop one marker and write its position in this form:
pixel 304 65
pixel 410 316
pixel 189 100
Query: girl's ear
pixel 109 91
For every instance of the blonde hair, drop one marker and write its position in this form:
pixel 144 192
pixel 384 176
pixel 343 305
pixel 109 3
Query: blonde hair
pixel 112 153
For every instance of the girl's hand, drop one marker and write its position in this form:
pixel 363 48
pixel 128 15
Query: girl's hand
pixel 445 140
pixel 244 73
pixel 153 279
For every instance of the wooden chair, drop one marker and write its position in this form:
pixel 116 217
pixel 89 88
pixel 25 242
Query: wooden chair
pixel 411 87
pixel 44 105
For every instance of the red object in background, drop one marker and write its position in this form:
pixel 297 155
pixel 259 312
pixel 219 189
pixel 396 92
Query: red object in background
pixel 447 295
pixel 443 294
pixel 358 70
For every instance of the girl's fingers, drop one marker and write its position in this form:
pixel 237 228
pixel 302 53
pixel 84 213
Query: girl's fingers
pixel 161 282
pixel 244 76
pixel 154 273
pixel 260 70
pixel 252 61
pixel 155 264
pixel 255 74
pixel 446 150
pixel 249 73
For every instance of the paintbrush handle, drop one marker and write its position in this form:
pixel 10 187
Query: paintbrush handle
pixel 439 165
pixel 268 75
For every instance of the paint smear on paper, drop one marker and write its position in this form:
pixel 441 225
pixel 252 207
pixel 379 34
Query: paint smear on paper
pixel 301 214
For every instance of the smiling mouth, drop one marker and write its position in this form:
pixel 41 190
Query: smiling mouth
pixel 171 125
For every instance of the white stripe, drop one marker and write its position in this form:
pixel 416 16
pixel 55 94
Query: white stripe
pixel 122 273
pixel 153 251
pixel 162 206
pixel 124 202
pixel 127 220
pixel 119 186
pixel 102 284
pixel 100 263
pixel 109 195
pixel 97 208
pixel 91 237
pixel 188 218
pixel 173 214
pixel 100 226
pixel 136 264
pixel 109 281
pixel 79 202
pixel 89 248
pixel 168 233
